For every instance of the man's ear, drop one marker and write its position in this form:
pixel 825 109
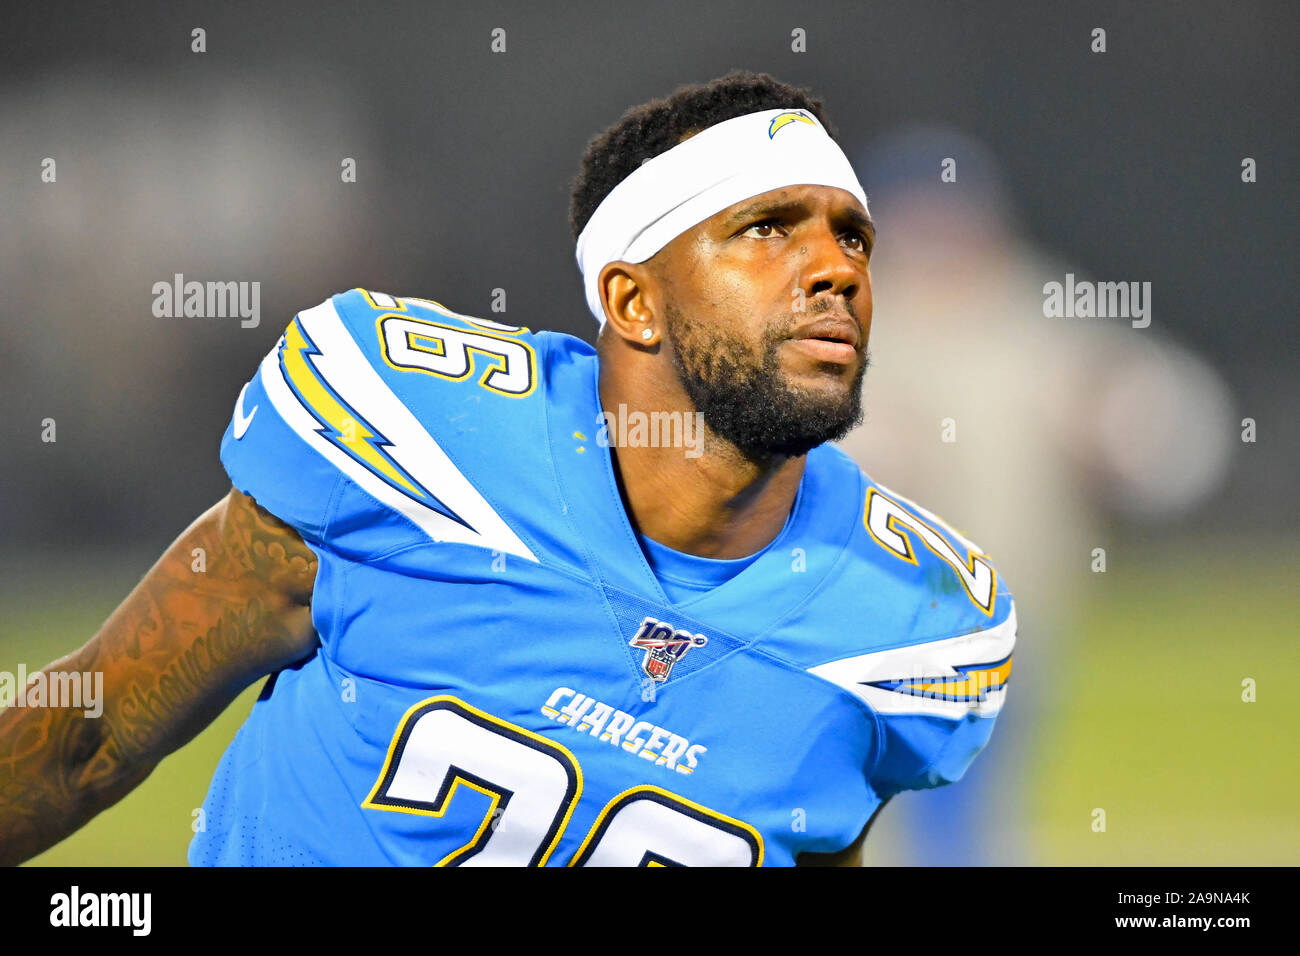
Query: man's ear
pixel 630 295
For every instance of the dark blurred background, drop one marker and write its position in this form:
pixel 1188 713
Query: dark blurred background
pixel 1116 166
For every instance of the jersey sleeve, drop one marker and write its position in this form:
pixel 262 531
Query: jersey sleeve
pixel 938 703
pixel 359 454
pixel 267 457
pixel 317 437
pixel 934 702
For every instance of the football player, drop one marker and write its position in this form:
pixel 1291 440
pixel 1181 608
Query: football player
pixel 527 602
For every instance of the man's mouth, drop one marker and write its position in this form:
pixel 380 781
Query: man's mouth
pixel 829 339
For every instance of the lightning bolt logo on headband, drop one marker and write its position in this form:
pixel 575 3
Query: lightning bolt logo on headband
pixel 785 119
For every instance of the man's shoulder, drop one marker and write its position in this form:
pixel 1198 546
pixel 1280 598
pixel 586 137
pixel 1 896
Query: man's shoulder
pixel 415 334
pixel 465 378
pixel 916 557
pixel 396 414
pixel 927 624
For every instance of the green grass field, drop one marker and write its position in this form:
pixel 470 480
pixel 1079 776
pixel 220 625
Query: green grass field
pixel 1157 733
pixel 1153 729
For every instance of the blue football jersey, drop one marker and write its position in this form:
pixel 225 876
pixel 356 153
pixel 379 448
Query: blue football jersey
pixel 501 678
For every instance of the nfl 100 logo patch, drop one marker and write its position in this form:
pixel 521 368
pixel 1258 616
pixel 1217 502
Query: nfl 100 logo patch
pixel 664 646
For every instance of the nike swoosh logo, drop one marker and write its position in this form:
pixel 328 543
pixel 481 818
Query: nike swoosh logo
pixel 242 421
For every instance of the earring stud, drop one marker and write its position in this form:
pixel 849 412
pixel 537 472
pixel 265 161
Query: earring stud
pixel 647 334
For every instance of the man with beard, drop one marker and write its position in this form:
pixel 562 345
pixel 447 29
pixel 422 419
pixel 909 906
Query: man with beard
pixel 493 641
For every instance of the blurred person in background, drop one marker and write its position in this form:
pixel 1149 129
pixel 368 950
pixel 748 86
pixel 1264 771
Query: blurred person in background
pixel 1035 431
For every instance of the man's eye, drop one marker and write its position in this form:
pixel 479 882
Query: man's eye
pixel 765 224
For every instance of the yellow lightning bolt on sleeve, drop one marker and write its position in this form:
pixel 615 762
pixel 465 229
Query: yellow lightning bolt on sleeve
pixel 352 434
pixel 972 687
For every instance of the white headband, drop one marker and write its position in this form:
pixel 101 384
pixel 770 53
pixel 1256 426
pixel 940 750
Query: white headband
pixel 716 168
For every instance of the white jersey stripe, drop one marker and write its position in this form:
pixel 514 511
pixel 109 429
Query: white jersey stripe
pixel 918 662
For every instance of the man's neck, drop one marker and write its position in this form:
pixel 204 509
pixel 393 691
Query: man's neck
pixel 717 504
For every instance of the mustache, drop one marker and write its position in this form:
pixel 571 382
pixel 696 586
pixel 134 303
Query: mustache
pixel 779 331
pixel 828 304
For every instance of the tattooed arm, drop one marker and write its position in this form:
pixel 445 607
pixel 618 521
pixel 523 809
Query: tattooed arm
pixel 174 654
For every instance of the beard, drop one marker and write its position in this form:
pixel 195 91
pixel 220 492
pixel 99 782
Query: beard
pixel 745 399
